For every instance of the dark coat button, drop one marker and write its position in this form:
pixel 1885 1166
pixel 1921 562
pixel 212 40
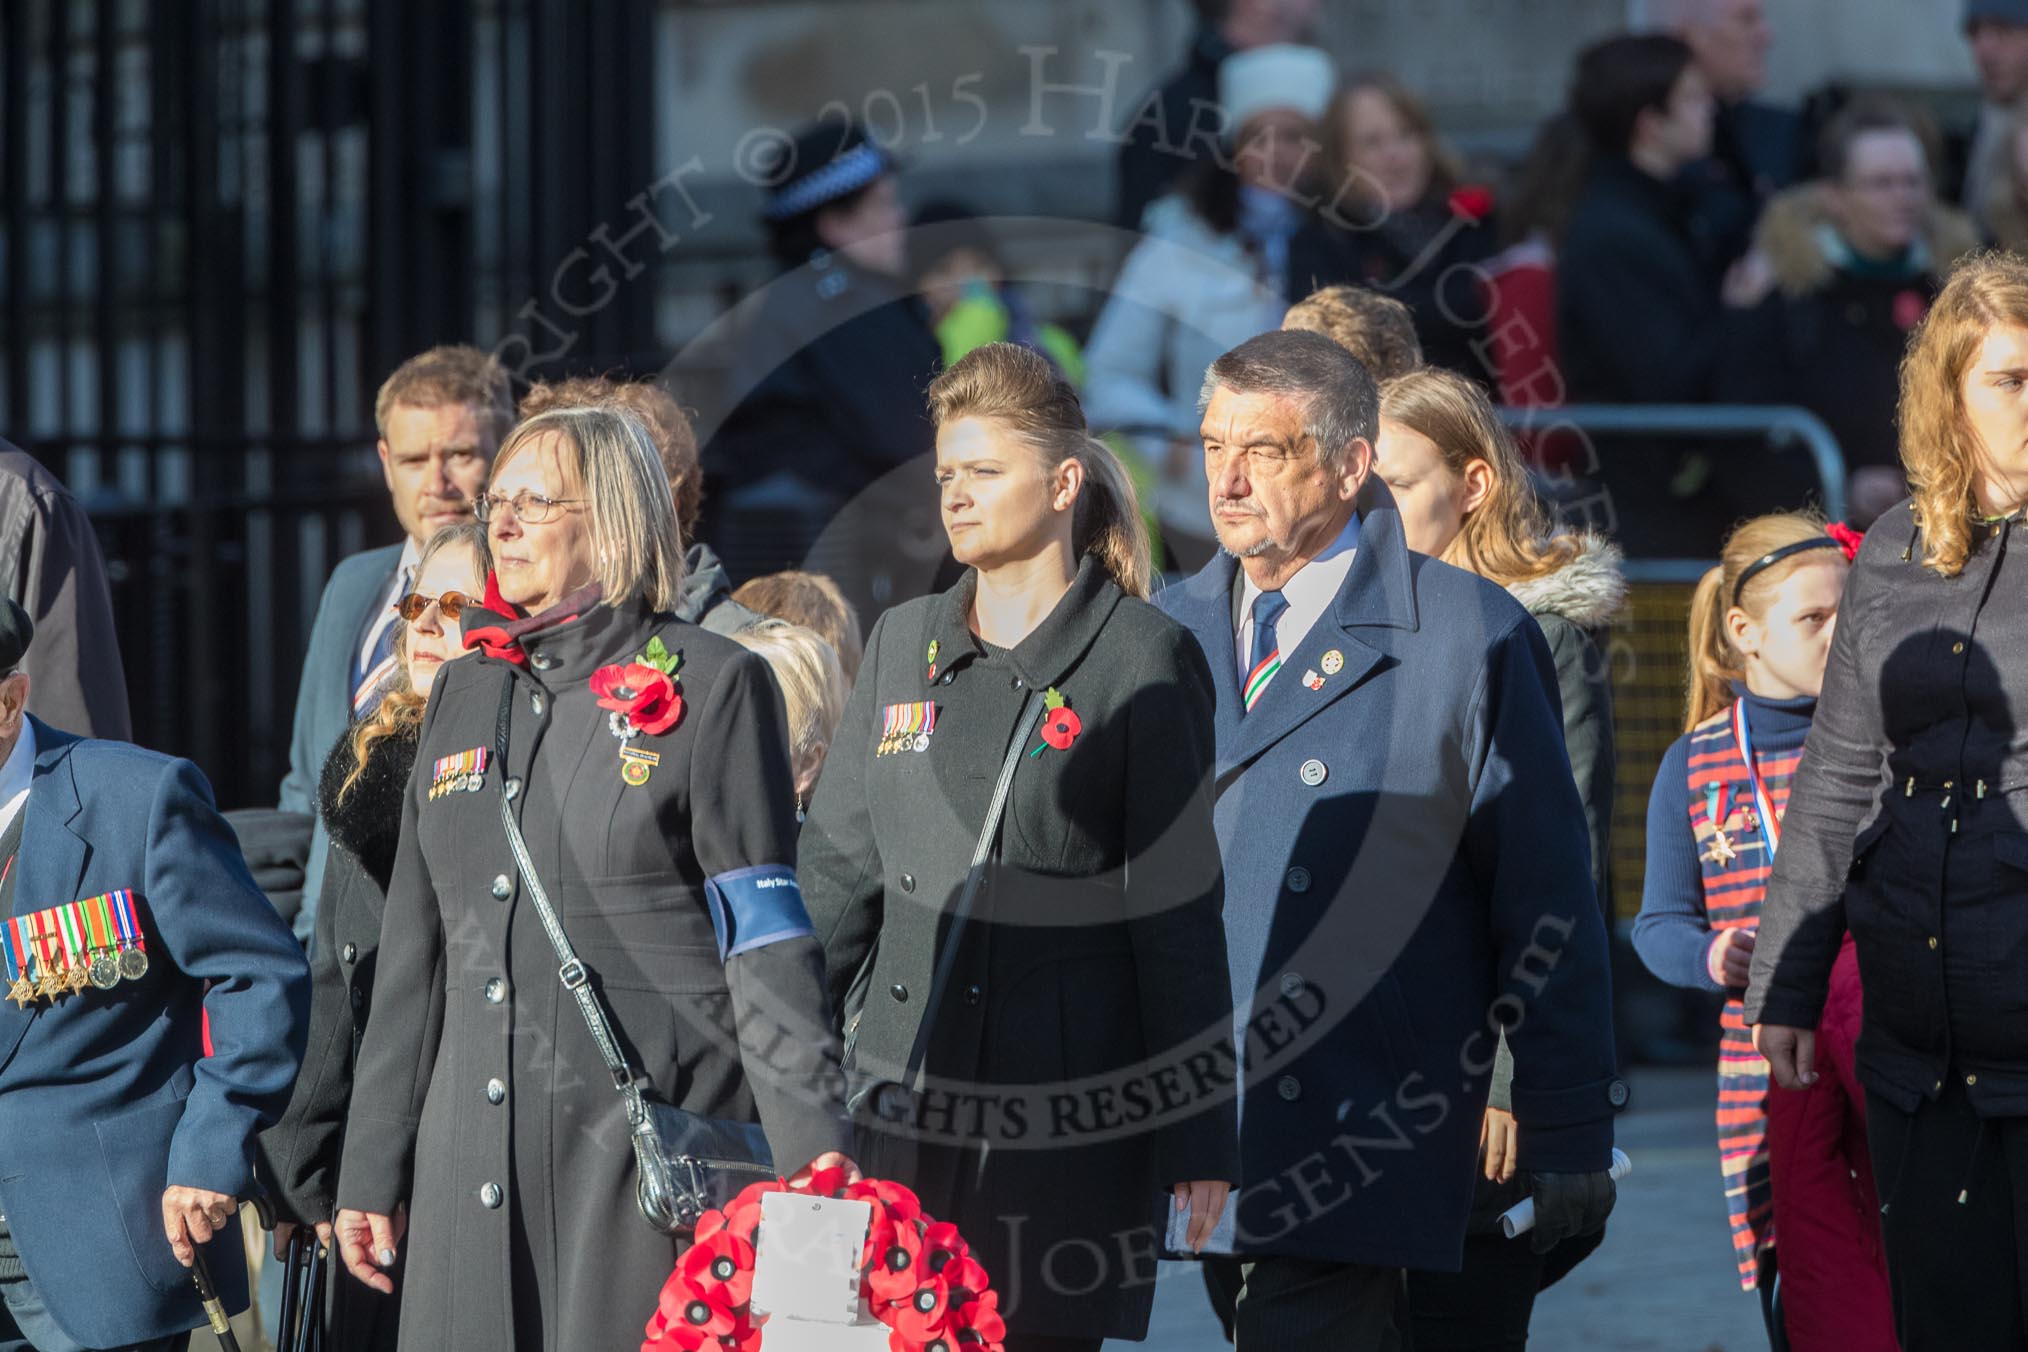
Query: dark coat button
pixel 489 1196
pixel 1298 879
pixel 1289 1088
pixel 899 992
pixel 944 679
pixel 358 998
pixel 496 1092
pixel 535 703
pixel 973 995
pixel 1019 684
pixel 496 991
pixel 1616 1094
pixel 1292 983
pixel 908 882
pixel 502 888
pixel 542 661
pixel 350 953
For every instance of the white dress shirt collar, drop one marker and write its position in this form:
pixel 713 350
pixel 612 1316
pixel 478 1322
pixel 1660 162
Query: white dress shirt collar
pixel 15 776
pixel 1309 594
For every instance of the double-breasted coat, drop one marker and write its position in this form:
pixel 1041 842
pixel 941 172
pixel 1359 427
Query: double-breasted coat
pixel 502 1130
pixel 1407 869
pixel 1057 1099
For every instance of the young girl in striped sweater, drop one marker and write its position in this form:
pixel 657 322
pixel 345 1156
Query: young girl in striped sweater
pixel 1760 630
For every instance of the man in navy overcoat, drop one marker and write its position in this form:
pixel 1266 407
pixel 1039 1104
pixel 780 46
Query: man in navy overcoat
pixel 122 1145
pixel 1406 870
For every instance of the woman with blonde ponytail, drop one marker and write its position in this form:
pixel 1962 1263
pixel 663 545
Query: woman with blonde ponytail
pixel 1761 626
pixel 1102 888
pixel 359 797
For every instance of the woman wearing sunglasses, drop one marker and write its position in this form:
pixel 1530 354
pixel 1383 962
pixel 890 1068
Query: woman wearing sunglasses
pixel 359 797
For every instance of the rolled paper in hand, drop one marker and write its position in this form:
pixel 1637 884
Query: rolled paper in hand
pixel 1519 1219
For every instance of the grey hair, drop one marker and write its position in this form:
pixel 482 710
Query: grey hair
pixel 608 458
pixel 1340 402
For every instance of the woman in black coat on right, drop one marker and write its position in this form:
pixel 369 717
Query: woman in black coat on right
pixel 1908 824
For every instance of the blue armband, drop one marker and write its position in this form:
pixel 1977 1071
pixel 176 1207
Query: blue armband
pixel 754 907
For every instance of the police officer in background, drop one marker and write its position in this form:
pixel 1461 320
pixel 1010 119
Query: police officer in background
pixel 833 359
pixel 122 1145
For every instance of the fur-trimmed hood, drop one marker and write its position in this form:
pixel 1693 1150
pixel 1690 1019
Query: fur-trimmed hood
pixel 367 821
pixel 1790 235
pixel 1588 591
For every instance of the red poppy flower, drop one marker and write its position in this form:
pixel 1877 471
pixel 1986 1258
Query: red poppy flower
pixel 901 1205
pixel 879 1235
pixel 978 1323
pixel 646 696
pixel 751 1194
pixel 745 1335
pixel 1909 308
pixel 1472 201
pixel 894 1274
pixel 1847 538
pixel 942 1245
pixel 967 1280
pixel 720 1267
pixel 1061 728
pixel 824 1182
pixel 924 1313
pixel 708 1312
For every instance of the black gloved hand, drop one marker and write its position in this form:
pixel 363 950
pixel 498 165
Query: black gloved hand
pixel 1568 1205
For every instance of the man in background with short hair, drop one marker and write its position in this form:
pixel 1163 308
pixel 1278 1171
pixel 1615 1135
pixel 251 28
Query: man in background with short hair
pixel 1998 33
pixel 1757 148
pixel 441 416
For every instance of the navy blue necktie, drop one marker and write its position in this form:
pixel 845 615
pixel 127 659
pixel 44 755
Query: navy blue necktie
pixel 1264 658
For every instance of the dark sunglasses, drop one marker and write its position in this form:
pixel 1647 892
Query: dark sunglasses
pixel 450 604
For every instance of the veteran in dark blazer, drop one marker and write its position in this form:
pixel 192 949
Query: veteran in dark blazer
pixel 1406 866
pixel 122 1144
pixel 1051 1112
pixel 647 762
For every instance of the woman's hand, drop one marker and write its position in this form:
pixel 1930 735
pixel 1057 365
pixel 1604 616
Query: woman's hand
pixel 830 1159
pixel 286 1230
pixel 1500 1139
pixel 1203 1202
pixel 1791 1053
pixel 368 1244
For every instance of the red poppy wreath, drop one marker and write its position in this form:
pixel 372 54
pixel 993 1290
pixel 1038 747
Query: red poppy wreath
pixel 917 1276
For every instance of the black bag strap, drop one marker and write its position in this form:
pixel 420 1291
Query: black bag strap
pixel 989 835
pixel 570 968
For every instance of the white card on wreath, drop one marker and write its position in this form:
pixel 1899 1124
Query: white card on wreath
pixel 807 1265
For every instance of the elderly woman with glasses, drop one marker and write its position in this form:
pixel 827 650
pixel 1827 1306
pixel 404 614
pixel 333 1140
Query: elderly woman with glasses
pixel 646 765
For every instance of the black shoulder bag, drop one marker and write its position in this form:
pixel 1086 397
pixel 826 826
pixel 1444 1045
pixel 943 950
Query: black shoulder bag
pixel 947 954
pixel 685 1163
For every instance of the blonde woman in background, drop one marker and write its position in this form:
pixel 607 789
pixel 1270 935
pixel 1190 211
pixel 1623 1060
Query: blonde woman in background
pixel 813 688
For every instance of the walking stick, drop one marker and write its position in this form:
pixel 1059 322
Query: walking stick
pixel 207 1291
